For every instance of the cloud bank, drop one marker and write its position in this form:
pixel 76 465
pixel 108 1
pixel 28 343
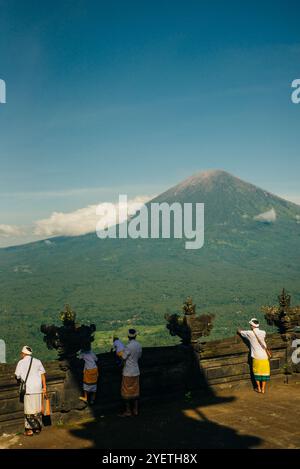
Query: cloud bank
pixel 84 220
pixel 7 231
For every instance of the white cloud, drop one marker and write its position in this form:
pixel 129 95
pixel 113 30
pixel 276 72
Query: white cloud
pixel 10 230
pixel 48 242
pixel 266 217
pixel 83 220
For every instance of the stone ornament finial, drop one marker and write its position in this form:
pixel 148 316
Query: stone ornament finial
pixel 284 300
pixel 188 307
pixel 67 315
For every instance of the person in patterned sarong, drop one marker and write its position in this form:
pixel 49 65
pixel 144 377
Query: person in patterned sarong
pixel 130 387
pixel 31 371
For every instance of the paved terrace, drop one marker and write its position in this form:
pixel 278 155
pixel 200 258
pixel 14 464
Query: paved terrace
pixel 234 418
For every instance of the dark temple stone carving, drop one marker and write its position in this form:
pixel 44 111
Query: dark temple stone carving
pixel 69 338
pixel 189 327
pixel 285 317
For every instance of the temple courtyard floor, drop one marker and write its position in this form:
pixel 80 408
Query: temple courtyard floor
pixel 231 418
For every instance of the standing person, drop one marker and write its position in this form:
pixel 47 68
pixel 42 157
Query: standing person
pixel 259 354
pixel 90 374
pixel 117 348
pixel 31 370
pixel 130 387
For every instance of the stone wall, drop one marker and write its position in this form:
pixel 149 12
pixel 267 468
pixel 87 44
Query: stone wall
pixel 227 362
pixel 165 371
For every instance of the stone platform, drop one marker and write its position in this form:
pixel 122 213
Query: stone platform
pixel 232 418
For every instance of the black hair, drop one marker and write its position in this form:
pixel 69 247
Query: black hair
pixel 86 347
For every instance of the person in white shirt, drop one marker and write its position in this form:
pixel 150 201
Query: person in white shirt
pixel 130 387
pixel 32 369
pixel 260 359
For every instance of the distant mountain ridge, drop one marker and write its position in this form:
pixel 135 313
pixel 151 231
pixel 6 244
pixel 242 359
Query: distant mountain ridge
pixel 230 193
pixel 244 263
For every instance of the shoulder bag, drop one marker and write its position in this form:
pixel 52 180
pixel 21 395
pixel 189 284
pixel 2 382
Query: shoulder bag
pixel 268 352
pixel 22 389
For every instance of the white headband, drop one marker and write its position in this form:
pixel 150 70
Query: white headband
pixel 254 324
pixel 27 350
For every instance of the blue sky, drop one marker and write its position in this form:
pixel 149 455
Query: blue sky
pixel 132 97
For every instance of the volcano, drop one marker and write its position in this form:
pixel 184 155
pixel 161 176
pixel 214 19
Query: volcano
pixel 251 250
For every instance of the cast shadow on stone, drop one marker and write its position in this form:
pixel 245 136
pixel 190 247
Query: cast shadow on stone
pixel 172 395
pixel 163 424
pixel 173 389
